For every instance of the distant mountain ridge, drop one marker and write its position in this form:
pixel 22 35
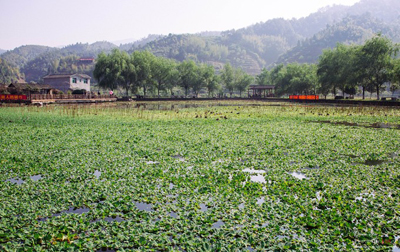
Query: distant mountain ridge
pixel 351 30
pixel 252 48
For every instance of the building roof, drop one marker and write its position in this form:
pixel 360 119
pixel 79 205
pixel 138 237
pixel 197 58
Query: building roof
pixel 60 76
pixel 25 86
pixel 262 87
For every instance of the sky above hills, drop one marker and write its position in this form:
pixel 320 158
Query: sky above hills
pixel 65 22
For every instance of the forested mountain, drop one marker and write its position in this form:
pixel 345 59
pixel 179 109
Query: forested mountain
pixel 22 55
pixel 251 48
pixel 2 51
pixel 140 42
pixel 37 61
pixel 351 30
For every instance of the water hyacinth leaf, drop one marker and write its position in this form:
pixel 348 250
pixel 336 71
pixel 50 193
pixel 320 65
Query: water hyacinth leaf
pixel 109 177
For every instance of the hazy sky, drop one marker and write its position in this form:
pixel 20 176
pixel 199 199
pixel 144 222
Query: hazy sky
pixel 65 22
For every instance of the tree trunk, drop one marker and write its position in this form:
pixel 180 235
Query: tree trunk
pixel 363 93
pixel 159 87
pixel 377 91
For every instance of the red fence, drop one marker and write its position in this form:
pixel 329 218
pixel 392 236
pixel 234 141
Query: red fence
pixel 304 97
pixel 13 97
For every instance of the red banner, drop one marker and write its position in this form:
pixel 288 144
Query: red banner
pixel 303 97
pixel 13 97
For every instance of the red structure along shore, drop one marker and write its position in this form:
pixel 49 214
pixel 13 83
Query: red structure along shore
pixel 304 97
pixel 10 97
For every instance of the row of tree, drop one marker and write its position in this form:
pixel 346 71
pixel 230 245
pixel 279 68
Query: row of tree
pixel 345 68
pixel 142 71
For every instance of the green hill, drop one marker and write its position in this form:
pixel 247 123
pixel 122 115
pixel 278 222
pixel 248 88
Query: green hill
pixel 351 30
pixel 251 48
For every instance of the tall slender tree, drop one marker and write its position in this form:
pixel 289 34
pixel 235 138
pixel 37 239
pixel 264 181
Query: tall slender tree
pixel 227 77
pixel 376 59
pixel 209 78
pixel 161 69
pixel 242 80
pixel 187 75
pixel 143 61
pixel 263 78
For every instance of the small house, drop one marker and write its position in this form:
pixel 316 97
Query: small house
pixel 68 82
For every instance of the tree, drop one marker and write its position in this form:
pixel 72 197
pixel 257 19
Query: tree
pixel 227 78
pixel 242 80
pixel 161 69
pixel 187 75
pixel 8 74
pixel 335 69
pixel 303 78
pixel 359 76
pixel 281 80
pixel 376 60
pixel 263 78
pixel 211 81
pixel 105 72
pixel 143 60
pixel 173 79
pixel 115 70
pixel 395 76
pixel 295 79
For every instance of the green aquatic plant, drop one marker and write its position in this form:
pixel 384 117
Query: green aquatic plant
pixel 119 177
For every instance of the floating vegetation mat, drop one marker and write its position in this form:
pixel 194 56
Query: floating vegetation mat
pixel 206 177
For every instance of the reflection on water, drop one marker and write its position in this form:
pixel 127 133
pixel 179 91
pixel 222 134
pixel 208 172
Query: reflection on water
pixel 374 162
pixel 173 215
pixel 298 175
pixel 203 208
pixel 179 158
pixel 97 174
pixel 260 201
pixel 395 248
pixel 105 250
pixel 36 177
pixel 254 171
pixel 259 179
pixel 186 105
pixel 110 219
pixel 15 181
pixel 151 162
pixel 218 224
pixel 73 210
pixel 373 125
pixel 144 206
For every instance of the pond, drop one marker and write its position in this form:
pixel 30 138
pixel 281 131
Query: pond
pixel 146 178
